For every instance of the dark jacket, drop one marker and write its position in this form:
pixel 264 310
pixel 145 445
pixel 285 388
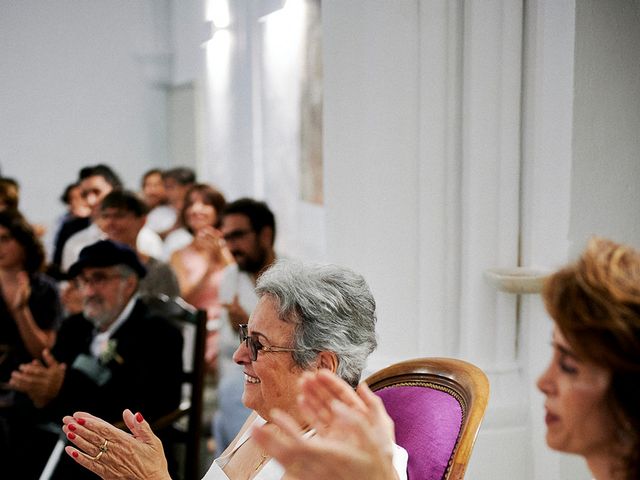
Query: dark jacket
pixel 144 374
pixel 145 371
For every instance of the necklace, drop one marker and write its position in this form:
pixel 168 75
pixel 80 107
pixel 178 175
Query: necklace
pixel 263 458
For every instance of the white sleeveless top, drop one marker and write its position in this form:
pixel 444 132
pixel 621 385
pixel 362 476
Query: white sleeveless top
pixel 272 470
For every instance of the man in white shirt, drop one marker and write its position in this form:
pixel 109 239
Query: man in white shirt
pixel 248 228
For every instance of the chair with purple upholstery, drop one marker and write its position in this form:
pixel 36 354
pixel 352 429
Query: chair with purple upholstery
pixel 437 405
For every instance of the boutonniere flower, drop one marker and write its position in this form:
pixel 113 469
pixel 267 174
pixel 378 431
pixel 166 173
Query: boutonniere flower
pixel 110 352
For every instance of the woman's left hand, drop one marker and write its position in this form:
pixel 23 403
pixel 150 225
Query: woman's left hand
pixel 209 239
pixel 112 453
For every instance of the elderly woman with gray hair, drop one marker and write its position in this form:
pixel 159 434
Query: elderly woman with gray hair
pixel 308 318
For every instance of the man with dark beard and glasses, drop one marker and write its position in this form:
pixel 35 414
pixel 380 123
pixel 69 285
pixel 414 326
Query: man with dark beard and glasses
pixel 248 228
pixel 113 355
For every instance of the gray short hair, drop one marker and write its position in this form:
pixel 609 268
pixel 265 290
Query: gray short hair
pixel 125 271
pixel 332 308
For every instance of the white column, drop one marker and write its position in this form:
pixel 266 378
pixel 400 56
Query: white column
pixel 440 134
pixel 547 153
pixel 491 123
pixel 371 115
pixel 229 97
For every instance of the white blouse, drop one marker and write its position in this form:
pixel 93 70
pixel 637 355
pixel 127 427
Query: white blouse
pixel 271 470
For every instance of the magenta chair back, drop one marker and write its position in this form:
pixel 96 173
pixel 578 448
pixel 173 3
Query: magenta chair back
pixel 437 405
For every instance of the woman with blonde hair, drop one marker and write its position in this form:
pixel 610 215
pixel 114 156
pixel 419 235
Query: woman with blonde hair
pixel 592 385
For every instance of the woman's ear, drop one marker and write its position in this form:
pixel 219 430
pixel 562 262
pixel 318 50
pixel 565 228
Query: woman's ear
pixel 328 360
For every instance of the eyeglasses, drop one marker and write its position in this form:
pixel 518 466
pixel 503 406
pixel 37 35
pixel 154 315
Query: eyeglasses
pixel 254 345
pixel 236 235
pixel 95 280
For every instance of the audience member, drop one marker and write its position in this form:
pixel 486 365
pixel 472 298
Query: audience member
pixel 161 217
pixel 76 204
pixel 113 355
pixel 76 218
pixel 177 181
pixel 96 182
pixel 308 318
pixel 199 265
pixel 29 305
pixel 248 228
pixel 592 385
pixel 122 217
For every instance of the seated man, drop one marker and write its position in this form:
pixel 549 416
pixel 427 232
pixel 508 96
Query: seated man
pixel 113 355
pixel 122 216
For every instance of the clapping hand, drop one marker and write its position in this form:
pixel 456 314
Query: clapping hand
pixel 209 239
pixel 237 314
pixel 354 435
pixel 112 453
pixel 40 381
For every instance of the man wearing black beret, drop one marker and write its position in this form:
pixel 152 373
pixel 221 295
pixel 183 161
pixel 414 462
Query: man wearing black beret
pixel 115 355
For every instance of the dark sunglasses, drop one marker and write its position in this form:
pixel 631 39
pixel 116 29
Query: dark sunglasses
pixel 253 343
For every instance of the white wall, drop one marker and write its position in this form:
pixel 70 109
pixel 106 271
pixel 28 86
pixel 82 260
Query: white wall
pixel 73 92
pixel 546 190
pixel 371 159
pixel 606 135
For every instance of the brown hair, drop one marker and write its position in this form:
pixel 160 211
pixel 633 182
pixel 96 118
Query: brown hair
pixel 9 193
pixel 595 303
pixel 210 196
pixel 24 234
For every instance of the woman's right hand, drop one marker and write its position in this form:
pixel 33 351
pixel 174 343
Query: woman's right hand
pixel 135 456
pixel 22 293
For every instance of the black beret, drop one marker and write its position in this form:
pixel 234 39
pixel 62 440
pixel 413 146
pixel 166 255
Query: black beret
pixel 107 253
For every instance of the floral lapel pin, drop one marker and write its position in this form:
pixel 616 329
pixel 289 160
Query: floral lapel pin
pixel 110 352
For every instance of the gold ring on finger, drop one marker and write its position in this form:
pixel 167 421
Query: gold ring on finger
pixel 103 449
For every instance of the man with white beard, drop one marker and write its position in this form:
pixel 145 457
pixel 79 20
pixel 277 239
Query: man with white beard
pixel 115 355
